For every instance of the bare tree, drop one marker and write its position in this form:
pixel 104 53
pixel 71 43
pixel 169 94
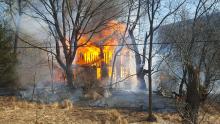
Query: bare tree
pixel 17 24
pixel 152 9
pixel 196 44
pixel 70 20
pixel 15 9
pixel 138 56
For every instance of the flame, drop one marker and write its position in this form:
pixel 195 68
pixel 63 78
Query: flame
pixel 98 73
pixel 100 47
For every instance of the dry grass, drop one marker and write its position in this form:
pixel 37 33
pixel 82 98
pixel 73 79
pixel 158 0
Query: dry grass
pixel 13 111
pixel 162 118
pixel 209 113
pixel 116 116
pixel 93 95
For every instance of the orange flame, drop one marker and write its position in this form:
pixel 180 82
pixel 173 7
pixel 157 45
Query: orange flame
pixel 100 47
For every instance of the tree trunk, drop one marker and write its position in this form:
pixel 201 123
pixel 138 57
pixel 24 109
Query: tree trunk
pixel 104 70
pixel 182 82
pixel 141 81
pixel 17 25
pixel 139 67
pixel 181 88
pixel 69 75
pixel 151 117
pixel 193 97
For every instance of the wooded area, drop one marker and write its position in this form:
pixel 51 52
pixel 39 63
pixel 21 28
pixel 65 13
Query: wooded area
pixel 150 58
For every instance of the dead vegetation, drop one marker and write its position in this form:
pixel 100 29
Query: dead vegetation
pixel 13 111
pixel 92 87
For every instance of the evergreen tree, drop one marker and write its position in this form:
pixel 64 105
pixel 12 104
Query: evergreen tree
pixel 7 59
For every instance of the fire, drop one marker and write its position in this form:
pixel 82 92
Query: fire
pixel 99 49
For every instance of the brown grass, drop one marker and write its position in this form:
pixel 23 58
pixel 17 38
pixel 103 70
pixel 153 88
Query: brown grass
pixel 116 116
pixel 67 104
pixel 13 111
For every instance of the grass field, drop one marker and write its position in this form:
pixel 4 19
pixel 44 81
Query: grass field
pixel 13 111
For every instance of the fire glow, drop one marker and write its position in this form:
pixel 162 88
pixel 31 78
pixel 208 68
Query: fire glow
pixel 98 51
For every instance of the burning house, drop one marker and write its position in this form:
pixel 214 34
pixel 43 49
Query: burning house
pixel 94 57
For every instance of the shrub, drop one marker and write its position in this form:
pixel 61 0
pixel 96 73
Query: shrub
pixel 7 60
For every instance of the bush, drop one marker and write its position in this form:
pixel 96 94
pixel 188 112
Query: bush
pixel 7 60
pixel 86 79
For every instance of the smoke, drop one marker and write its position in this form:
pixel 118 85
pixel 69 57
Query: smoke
pixel 33 64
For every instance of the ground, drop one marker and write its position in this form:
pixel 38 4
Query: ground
pixel 13 111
